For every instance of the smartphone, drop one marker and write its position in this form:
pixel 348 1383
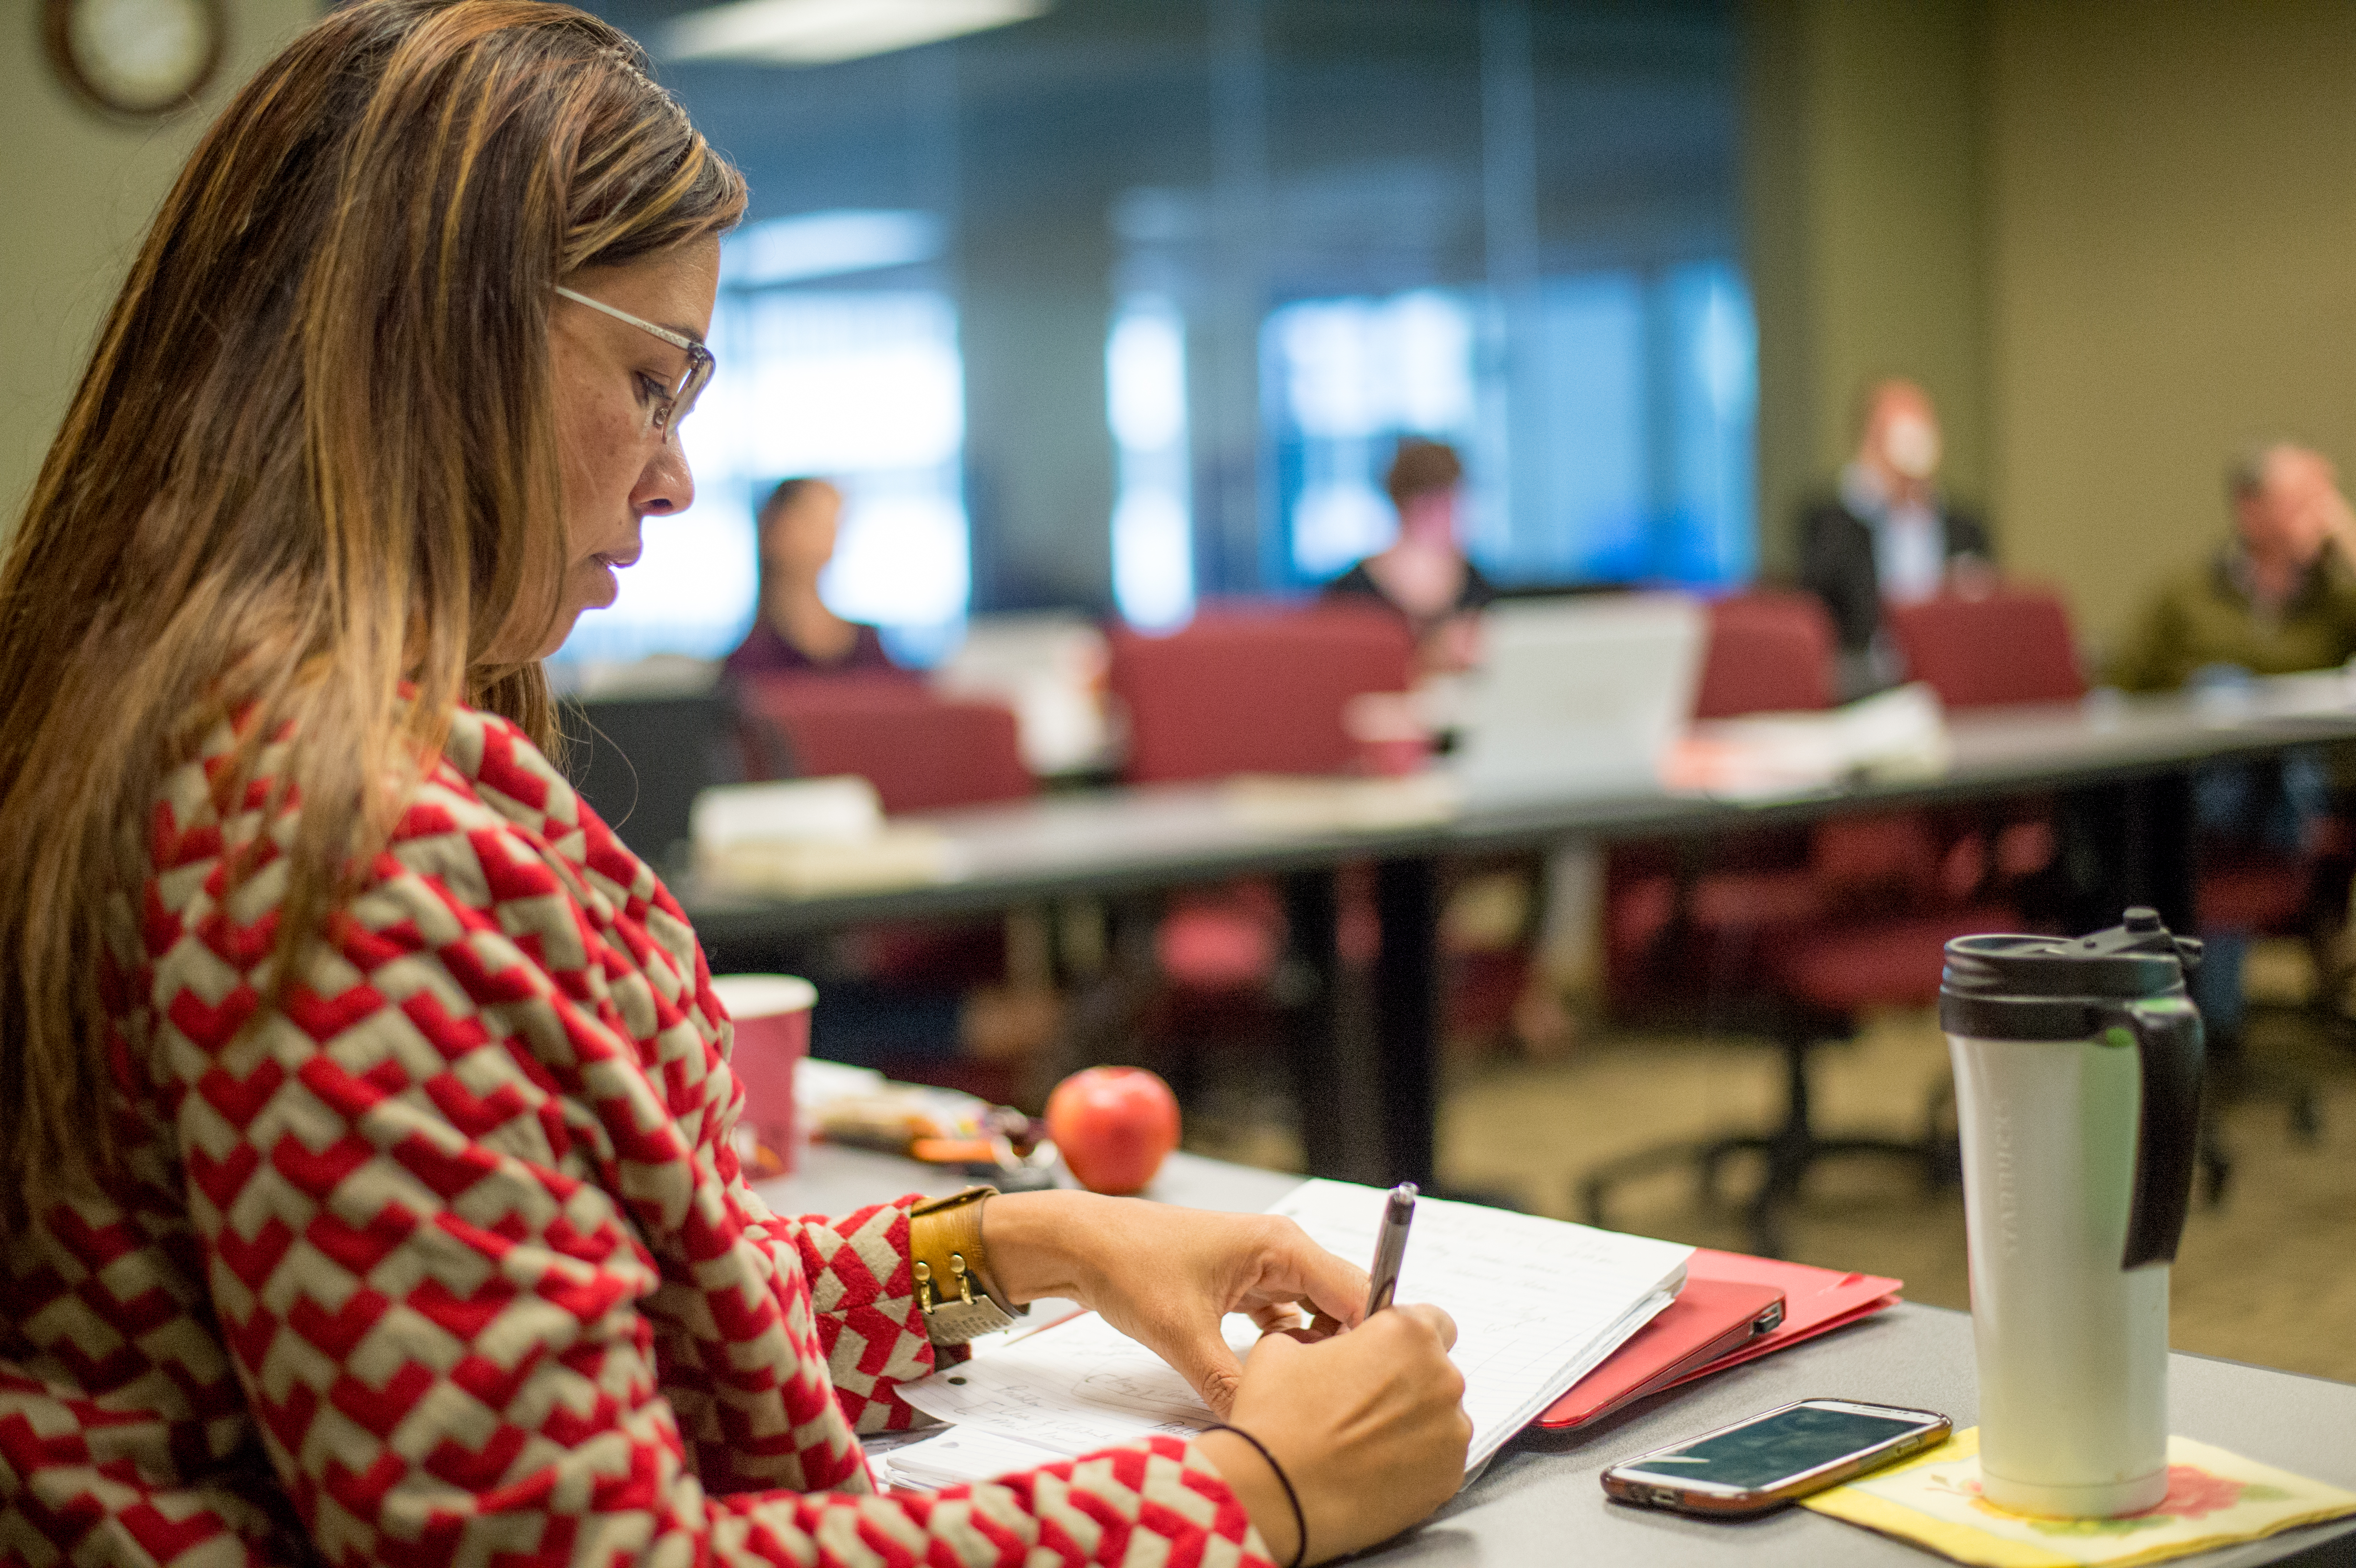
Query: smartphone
pixel 1771 1459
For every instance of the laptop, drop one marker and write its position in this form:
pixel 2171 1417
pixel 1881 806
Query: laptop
pixel 1579 697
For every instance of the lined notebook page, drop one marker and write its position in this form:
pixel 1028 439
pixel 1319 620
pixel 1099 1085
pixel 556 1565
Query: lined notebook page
pixel 1537 1303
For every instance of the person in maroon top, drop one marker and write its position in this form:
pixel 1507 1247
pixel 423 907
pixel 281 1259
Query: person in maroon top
pixel 1424 574
pixel 793 630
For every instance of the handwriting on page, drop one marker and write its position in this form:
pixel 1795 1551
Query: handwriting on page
pixel 1537 1303
pixel 1529 1295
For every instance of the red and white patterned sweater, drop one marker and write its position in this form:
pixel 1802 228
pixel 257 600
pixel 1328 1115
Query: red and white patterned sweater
pixel 449 1260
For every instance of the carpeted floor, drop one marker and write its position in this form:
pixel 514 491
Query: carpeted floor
pixel 2267 1277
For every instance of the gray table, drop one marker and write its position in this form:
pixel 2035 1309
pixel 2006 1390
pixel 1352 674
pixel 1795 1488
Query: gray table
pixel 1539 1502
pixel 2136 753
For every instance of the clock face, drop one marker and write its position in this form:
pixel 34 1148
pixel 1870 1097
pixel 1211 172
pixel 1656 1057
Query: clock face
pixel 135 57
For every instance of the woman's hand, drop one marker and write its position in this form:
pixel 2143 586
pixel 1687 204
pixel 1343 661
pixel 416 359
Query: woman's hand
pixel 1167 1277
pixel 1369 1426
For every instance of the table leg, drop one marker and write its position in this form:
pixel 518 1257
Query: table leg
pixel 1320 1075
pixel 2164 867
pixel 2126 844
pixel 1407 1015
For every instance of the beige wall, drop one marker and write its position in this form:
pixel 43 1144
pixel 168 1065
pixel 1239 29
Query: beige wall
pixel 2173 272
pixel 1867 232
pixel 2117 238
pixel 80 191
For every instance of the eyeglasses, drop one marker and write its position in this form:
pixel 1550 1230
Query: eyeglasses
pixel 672 403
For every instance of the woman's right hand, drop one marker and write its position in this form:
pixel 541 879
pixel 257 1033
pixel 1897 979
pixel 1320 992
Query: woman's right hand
pixel 1369 1426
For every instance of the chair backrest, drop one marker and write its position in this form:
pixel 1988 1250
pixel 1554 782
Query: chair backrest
pixel 1769 651
pixel 640 762
pixel 1253 690
pixel 2013 645
pixel 922 753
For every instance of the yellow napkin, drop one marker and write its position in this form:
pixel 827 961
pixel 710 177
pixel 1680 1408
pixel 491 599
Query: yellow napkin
pixel 2214 1498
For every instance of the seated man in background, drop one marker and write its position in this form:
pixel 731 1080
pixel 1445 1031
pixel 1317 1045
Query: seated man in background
pixel 793 630
pixel 1423 574
pixel 1888 536
pixel 2280 597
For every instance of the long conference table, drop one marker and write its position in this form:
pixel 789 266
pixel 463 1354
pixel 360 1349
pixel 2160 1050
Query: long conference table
pixel 2128 762
pixel 1540 1501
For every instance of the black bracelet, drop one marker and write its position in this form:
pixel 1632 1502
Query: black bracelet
pixel 1299 1519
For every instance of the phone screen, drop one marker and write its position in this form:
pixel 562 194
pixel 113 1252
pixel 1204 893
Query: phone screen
pixel 1784 1444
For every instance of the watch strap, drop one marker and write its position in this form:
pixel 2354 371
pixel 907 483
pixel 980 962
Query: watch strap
pixel 955 1292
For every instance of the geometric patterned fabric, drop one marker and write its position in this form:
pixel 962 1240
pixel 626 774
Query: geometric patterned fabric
pixel 447 1257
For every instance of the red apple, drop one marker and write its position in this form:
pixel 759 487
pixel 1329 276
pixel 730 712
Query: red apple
pixel 1114 1125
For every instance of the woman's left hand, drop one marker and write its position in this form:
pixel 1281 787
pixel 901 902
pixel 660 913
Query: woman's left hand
pixel 1167 1277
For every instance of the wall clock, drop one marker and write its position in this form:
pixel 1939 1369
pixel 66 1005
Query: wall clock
pixel 138 58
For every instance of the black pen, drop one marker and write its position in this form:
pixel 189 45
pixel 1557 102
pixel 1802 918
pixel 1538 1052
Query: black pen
pixel 1390 1246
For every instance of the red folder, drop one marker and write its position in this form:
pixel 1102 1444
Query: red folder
pixel 1816 1300
pixel 1708 1319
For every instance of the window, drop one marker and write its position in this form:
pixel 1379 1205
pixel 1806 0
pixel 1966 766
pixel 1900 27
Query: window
pixel 1637 393
pixel 1352 376
pixel 1153 521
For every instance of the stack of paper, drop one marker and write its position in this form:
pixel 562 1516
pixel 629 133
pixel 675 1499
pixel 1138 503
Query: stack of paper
pixel 1537 1303
pixel 1896 735
pixel 805 837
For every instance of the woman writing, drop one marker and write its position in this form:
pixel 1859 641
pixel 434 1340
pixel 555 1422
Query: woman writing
pixel 365 1111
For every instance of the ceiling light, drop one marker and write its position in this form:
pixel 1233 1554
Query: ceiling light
pixel 820 32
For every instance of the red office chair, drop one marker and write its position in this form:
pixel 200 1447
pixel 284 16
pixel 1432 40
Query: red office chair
pixel 2016 646
pixel 1668 916
pixel 1779 944
pixel 2011 646
pixel 1245 689
pixel 1771 651
pixel 922 753
pixel 2271 894
pixel 1252 690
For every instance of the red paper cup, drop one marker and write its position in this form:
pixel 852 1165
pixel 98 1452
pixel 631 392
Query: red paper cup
pixel 772 1024
pixel 1392 738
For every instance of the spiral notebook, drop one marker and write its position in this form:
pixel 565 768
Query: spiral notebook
pixel 1537 1303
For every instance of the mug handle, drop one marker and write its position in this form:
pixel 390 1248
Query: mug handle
pixel 2169 1048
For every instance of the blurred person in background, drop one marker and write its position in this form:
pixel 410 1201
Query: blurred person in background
pixel 793 631
pixel 1521 930
pixel 2278 597
pixel 1888 536
pixel 1423 574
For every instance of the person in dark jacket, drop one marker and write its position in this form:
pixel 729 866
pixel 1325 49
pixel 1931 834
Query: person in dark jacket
pixel 1888 536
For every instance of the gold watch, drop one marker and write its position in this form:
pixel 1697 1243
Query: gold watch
pixel 955 1290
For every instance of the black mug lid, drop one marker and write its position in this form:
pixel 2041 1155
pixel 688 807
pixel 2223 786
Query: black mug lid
pixel 2055 988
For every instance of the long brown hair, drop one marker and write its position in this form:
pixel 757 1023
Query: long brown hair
pixel 310 477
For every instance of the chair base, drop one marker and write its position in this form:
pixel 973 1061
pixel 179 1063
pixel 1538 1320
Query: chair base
pixel 1791 1150
pixel 2234 1078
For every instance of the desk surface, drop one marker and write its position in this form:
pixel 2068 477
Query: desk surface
pixel 1540 1501
pixel 1125 840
